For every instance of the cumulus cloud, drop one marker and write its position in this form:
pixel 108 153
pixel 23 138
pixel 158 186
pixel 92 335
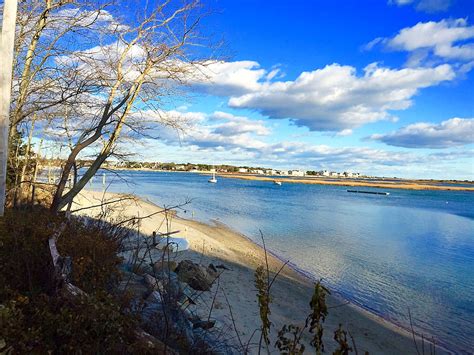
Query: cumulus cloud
pixel 447 39
pixel 449 133
pixel 230 78
pixel 336 98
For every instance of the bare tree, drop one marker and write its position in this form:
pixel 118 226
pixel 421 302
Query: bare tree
pixel 6 62
pixel 146 61
pixel 46 31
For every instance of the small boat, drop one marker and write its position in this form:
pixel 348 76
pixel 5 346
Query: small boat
pixel 277 182
pixel 213 180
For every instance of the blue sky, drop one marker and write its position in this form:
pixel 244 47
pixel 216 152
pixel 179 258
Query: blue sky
pixel 381 87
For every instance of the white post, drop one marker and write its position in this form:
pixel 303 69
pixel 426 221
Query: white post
pixel 6 63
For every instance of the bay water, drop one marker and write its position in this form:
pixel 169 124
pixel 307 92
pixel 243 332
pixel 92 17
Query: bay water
pixel 411 250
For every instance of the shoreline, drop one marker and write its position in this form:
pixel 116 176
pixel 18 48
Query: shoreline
pixel 309 277
pixel 376 182
pixel 374 332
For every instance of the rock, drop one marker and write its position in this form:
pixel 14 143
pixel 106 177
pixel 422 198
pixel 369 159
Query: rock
pixel 152 283
pixel 222 266
pixel 154 297
pixel 204 324
pixel 133 283
pixel 191 316
pixel 196 276
pixel 212 267
pixel 141 269
pixel 145 343
pixel 161 266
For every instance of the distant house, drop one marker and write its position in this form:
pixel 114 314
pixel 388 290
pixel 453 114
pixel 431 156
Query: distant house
pixel 296 173
pixel 180 167
pixel 260 172
pixel 324 173
pixel 242 170
pixel 333 174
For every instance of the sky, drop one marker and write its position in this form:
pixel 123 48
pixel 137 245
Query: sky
pixel 380 87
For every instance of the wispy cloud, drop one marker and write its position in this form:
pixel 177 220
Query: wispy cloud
pixel 429 6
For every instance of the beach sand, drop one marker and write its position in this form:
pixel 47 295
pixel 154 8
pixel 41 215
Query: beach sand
pixel 291 292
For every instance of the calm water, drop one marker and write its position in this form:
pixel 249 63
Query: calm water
pixel 409 250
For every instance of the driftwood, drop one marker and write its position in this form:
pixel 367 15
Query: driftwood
pixel 62 269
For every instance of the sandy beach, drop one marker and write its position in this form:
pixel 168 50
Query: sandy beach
pixel 291 292
pixel 402 184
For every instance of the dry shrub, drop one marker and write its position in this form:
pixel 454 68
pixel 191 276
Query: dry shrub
pixel 32 318
pixel 90 325
pixel 94 255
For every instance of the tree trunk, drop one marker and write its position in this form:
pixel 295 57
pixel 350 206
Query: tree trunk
pixel 6 62
pixel 27 154
pixel 61 200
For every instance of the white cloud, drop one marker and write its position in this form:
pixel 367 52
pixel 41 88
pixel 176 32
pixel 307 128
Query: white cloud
pixel 449 133
pixel 213 137
pixel 335 98
pixel 425 5
pixel 203 131
pixel 400 2
pixel 239 125
pixel 230 78
pixel 344 132
pixel 92 19
pixel 445 39
pixel 433 5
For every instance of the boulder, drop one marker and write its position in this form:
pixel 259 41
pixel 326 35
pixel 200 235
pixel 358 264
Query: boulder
pixel 161 266
pixel 196 276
